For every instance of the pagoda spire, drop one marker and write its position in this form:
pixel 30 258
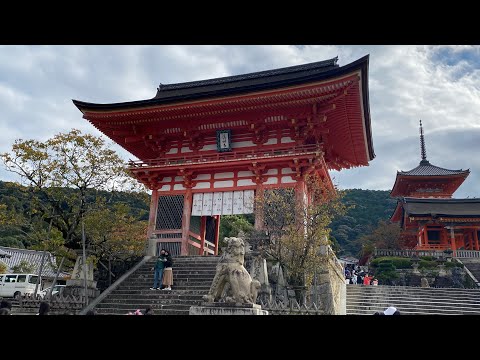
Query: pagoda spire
pixel 422 146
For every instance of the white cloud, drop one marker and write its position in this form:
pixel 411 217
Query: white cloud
pixel 438 84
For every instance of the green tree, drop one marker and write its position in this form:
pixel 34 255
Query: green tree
pixel 64 175
pixel 231 225
pixel 297 233
pixel 3 268
pixel 114 234
pixel 386 236
pixel 23 267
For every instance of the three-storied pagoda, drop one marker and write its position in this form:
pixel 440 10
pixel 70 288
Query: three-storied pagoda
pixel 430 219
pixel 207 148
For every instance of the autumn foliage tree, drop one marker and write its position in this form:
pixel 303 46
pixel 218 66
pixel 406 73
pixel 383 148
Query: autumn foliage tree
pixel 114 234
pixel 64 176
pixel 296 232
pixel 385 236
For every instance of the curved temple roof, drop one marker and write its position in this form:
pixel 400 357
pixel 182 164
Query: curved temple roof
pixel 237 84
pixel 273 92
pixel 441 207
pixel 427 169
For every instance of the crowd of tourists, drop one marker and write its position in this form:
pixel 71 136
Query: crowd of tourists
pixel 354 275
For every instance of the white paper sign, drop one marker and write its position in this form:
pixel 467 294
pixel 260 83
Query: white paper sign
pixel 238 202
pixel 197 204
pixel 217 203
pixel 248 200
pixel 227 203
pixel 207 204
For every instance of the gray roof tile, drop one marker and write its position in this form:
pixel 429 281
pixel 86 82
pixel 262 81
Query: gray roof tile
pixel 319 65
pixel 439 207
pixel 427 169
pixel 33 257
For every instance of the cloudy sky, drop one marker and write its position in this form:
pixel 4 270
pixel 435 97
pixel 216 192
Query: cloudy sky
pixel 438 84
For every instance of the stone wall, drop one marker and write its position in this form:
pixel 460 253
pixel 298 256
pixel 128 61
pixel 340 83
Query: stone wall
pixel 455 277
pixel 331 289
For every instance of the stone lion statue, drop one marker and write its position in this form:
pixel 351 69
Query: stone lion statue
pixel 232 282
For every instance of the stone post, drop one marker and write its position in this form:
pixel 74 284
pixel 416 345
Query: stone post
pixel 152 246
pixel 76 286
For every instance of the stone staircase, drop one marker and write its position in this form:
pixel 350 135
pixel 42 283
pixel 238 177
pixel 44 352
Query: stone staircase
pixel 192 277
pixel 473 265
pixel 366 300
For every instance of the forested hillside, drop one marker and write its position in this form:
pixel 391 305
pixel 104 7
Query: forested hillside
pixel 368 207
pixel 16 204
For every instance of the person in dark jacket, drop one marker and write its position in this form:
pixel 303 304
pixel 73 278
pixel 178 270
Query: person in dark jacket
pixel 159 266
pixel 44 308
pixel 168 272
pixel 5 304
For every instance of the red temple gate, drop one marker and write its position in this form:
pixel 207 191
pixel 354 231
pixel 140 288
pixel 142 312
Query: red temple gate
pixel 207 148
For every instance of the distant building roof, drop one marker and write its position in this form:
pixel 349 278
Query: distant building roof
pixel 442 207
pixel 4 254
pixel 33 257
pixel 348 259
pixel 427 169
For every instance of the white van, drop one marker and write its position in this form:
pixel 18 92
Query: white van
pixel 15 285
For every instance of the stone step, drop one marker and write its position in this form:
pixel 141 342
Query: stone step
pixel 134 306
pixel 398 305
pixel 180 273
pixel 416 288
pixel 149 283
pixel 143 303
pixel 157 311
pixel 192 278
pixel 174 288
pixel 157 294
pixel 372 297
pixel 370 287
pixel 176 282
pixel 414 292
pixel 406 310
pixel 147 301
pixel 144 291
pixel 360 313
pixel 187 262
pixel 181 277
pixel 366 300
pixel 420 297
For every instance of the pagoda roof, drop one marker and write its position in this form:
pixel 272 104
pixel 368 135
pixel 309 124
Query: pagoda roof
pixel 427 169
pixel 441 207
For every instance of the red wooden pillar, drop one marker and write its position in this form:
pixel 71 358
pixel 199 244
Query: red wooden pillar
pixel 425 236
pixel 259 225
pixel 187 212
pixel 475 236
pixel 217 233
pixel 152 219
pixel 203 228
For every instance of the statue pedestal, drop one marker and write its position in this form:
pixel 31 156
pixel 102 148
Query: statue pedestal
pixel 76 285
pixel 227 309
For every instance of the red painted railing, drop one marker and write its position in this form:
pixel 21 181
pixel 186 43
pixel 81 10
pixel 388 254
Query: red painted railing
pixel 226 156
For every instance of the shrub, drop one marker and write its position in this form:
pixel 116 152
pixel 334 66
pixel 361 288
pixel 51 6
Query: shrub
pixel 398 262
pixel 427 258
pixel 425 264
pixel 453 264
